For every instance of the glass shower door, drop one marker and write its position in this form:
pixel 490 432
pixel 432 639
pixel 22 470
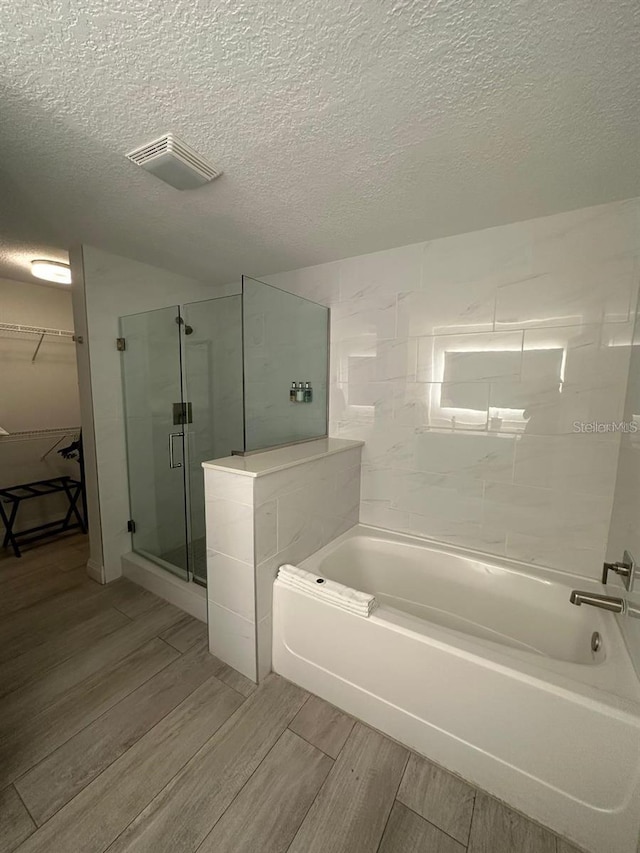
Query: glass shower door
pixel 155 413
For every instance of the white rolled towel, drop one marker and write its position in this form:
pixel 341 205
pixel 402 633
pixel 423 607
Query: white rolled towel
pixel 331 597
pixel 353 600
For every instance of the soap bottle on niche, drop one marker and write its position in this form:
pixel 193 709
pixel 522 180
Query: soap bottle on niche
pixel 292 393
pixel 308 392
pixel 300 393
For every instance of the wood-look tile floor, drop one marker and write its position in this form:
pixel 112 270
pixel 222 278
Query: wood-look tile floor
pixel 119 732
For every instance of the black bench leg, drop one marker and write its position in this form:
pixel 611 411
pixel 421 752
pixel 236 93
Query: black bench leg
pixel 73 508
pixel 8 522
pixel 76 510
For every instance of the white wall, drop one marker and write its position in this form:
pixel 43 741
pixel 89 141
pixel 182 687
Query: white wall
pixel 463 364
pixel 115 286
pixel 36 395
pixel 78 293
pixel 35 304
pixel 41 394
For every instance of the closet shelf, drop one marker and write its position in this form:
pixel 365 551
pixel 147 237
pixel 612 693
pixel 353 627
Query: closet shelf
pixel 37 330
pixel 34 434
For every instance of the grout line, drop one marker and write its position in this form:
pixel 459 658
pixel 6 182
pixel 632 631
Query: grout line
pixel 48 594
pixel 327 777
pixel 439 828
pixel 17 628
pixel 26 808
pixel 473 815
pixel 226 684
pixel 55 664
pixel 311 804
pixel 117 609
pixel 109 672
pixel 315 746
pixel 117 758
pixel 183 652
pixel 309 695
pixel 510 808
pixel 394 800
pixel 241 789
pixel 188 761
pixel 179 654
pixel 233 689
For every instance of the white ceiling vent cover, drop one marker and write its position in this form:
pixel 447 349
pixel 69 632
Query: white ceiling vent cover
pixel 174 162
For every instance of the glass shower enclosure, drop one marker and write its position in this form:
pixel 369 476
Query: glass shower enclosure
pixel 205 380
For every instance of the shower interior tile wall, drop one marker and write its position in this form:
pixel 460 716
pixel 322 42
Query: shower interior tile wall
pixel 285 340
pixel 624 533
pixel 466 362
pixel 213 373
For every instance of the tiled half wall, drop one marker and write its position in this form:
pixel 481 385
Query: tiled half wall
pixel 269 511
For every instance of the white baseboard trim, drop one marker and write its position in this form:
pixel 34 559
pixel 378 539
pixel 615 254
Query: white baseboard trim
pixel 95 571
pixel 187 596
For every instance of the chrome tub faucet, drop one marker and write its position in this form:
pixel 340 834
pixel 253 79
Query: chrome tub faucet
pixel 606 602
pixel 626 569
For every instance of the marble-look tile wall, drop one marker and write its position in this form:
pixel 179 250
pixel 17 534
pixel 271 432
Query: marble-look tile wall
pixel 624 533
pixel 254 525
pixel 466 364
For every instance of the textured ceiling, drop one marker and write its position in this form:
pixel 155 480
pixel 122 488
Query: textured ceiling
pixel 342 127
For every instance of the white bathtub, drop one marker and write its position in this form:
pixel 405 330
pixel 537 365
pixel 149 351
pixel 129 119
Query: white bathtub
pixel 484 666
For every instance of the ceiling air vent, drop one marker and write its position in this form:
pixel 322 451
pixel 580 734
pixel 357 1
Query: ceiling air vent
pixel 174 162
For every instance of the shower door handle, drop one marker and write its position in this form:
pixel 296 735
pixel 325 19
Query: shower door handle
pixel 172 462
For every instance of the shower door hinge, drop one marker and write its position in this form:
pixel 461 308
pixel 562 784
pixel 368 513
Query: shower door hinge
pixel 188 330
pixel 131 526
pixel 121 344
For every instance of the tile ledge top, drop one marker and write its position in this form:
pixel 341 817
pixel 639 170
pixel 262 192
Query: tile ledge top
pixel 270 461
